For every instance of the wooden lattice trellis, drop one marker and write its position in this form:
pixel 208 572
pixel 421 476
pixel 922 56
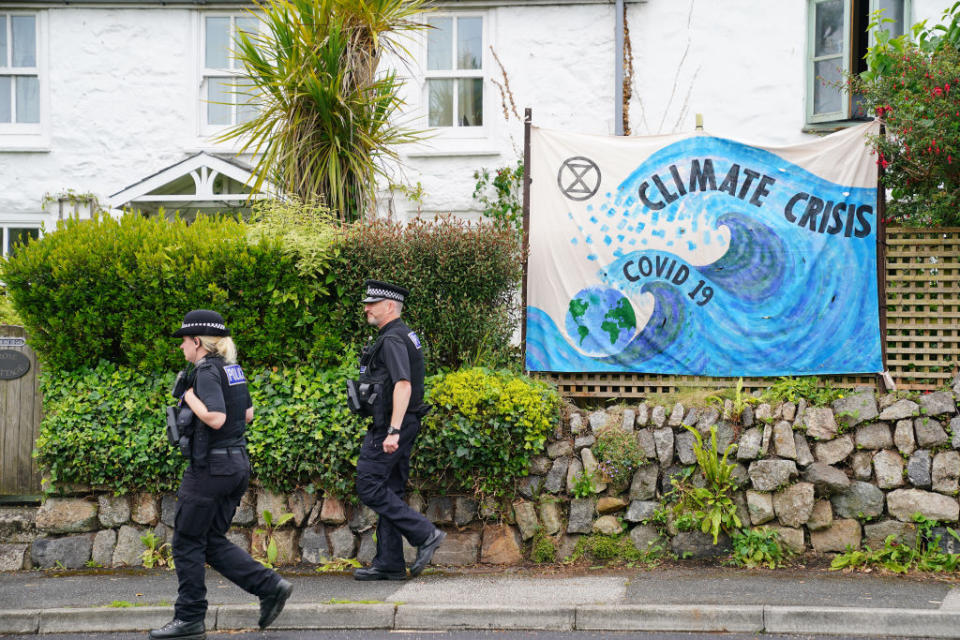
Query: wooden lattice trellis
pixel 922 332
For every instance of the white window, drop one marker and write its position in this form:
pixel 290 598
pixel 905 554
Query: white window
pixel 837 43
pixel 224 96
pixel 454 71
pixel 20 110
pixel 15 236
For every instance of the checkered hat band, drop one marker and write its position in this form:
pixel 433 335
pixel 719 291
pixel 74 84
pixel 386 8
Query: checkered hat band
pixel 373 292
pixel 209 325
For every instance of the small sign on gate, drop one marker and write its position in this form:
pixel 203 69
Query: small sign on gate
pixel 13 364
pixel 12 342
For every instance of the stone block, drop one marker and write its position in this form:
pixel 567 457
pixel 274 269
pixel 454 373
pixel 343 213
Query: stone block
pixel 540 465
pixel 644 537
pixel 784 445
pixel 343 543
pixel 458 549
pixel 856 408
pixel 826 479
pixel 464 510
pixel 859 500
pixel 531 487
pixel 113 511
pixel 821 517
pixel 904 437
pixel 697 545
pixel 929 432
pixel 574 471
pixel 769 475
pixel 683 443
pixel 286 541
pixel 71 552
pixel 583 441
pixel 67 515
pixel 576 423
pixel 938 403
pixel 862 465
pixel 361 518
pixel 582 511
pixel 598 420
pixel 760 507
pixel 791 539
pixel 874 436
pixel 628 419
pixel 103 545
pixel 501 545
pixel 608 526
pixel 900 410
pixel 820 423
pixel 14 556
pixel 557 478
pixel 643 415
pixel 749 448
pixel 246 513
pixel 130 548
pixel 641 510
pixel 794 504
pixel 664 440
pixel 145 509
pixel 560 449
pixel 18 524
pixel 644 484
pixel 550 517
pixel 658 417
pixel 875 533
pixel 903 503
pixel 888 468
pixel 313 544
pixel 300 504
pixel 647 443
pixel 611 504
pixel 946 472
pixel 919 469
pixel 676 415
pixel 834 451
pixel 837 537
pixel 526 517
pixel 804 457
pixel 367 550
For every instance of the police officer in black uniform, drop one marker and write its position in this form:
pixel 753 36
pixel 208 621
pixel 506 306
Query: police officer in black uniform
pixel 393 368
pixel 214 481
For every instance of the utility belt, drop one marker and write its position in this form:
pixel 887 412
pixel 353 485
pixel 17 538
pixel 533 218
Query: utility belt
pixel 182 433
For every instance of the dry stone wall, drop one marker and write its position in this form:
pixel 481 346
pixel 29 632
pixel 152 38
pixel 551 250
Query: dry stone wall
pixel 825 478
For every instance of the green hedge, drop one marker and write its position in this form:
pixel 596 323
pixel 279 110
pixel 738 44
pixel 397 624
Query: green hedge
pixel 108 289
pixel 104 426
pixel 115 289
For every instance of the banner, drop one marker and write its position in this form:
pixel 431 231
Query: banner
pixel 698 255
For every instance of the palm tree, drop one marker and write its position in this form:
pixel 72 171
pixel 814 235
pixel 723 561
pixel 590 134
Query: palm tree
pixel 325 114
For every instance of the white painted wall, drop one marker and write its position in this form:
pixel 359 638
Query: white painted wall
pixel 123 90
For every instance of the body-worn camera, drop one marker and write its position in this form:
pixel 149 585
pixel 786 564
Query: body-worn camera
pixel 180 423
pixel 365 394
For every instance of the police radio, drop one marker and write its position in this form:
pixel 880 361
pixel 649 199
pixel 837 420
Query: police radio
pixel 180 424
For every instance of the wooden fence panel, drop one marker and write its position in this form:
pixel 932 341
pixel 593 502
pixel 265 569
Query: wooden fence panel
pixel 923 327
pixel 20 413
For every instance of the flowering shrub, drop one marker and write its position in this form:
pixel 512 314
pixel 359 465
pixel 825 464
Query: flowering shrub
pixel 618 454
pixel 913 84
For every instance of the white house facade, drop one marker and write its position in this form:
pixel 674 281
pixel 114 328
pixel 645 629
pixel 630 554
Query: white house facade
pixel 121 101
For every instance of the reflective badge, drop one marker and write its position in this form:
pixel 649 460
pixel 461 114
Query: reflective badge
pixel 363 368
pixel 414 339
pixel 234 374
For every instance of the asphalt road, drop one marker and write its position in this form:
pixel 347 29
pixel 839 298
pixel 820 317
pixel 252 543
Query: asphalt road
pixel 452 635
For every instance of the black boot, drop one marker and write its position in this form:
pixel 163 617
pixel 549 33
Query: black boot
pixel 372 573
pixel 180 630
pixel 425 552
pixel 272 605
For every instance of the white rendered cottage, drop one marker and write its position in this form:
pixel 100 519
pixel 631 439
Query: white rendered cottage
pixel 110 99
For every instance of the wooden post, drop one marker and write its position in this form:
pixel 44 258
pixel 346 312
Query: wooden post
pixel 527 120
pixel 884 382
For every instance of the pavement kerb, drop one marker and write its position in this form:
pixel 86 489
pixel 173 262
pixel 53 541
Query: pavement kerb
pixel 899 623
pixel 615 617
pixel 649 617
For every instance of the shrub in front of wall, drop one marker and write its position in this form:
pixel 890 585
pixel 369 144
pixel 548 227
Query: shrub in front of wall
pixel 115 289
pixel 485 427
pixel 104 426
pixel 302 434
pixel 463 281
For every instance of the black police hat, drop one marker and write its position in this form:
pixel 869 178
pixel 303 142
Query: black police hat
pixel 377 291
pixel 202 322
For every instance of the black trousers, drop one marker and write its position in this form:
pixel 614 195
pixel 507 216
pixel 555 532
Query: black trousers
pixel 381 485
pixel 206 502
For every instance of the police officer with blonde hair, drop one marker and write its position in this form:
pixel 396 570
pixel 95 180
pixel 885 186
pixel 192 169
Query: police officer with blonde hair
pixel 391 384
pixel 217 397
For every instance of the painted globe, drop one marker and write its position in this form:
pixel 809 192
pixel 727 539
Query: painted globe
pixel 600 322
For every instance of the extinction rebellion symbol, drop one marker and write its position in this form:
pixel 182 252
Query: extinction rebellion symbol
pixel 578 178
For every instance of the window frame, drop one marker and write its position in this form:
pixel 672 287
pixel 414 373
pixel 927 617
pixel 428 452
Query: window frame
pixel 16 134
pixel 204 73
pixel 7 225
pixel 458 131
pixel 844 115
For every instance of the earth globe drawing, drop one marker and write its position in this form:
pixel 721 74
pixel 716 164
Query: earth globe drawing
pixel 600 321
